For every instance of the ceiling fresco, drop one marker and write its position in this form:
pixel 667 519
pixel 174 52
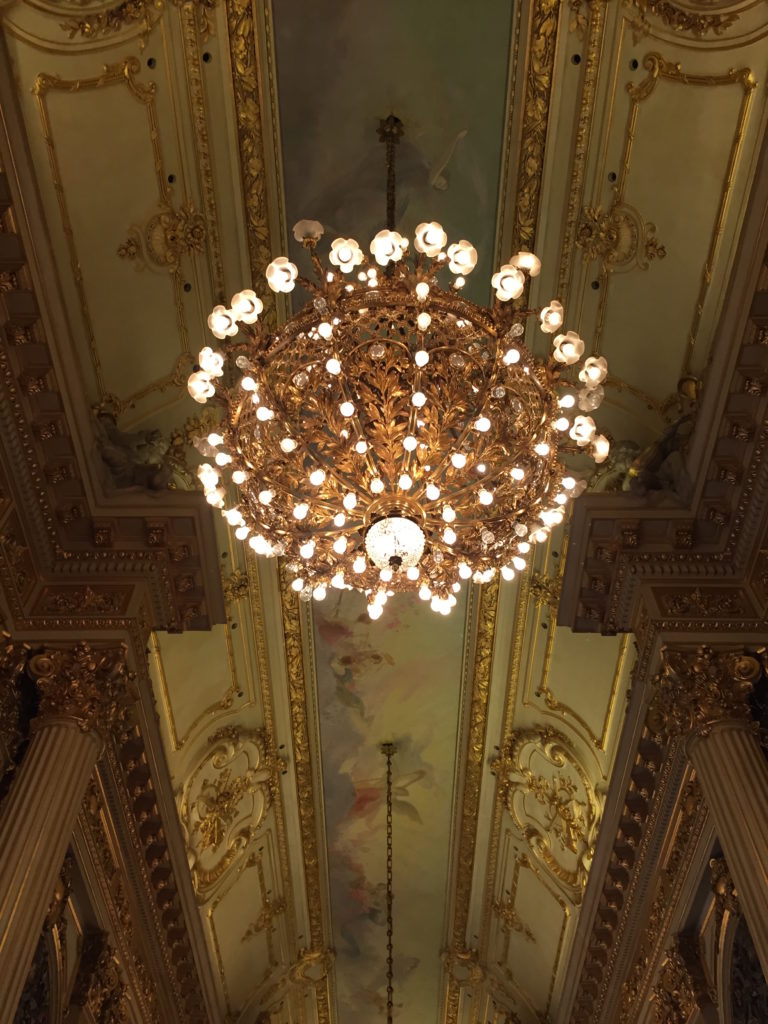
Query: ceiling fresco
pixel 400 682
pixel 173 148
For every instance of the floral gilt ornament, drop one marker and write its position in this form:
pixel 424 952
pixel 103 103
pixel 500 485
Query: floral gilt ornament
pixel 392 435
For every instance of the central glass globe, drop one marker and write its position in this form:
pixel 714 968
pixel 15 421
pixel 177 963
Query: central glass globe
pixel 394 543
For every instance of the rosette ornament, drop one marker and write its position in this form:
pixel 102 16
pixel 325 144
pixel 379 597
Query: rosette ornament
pixel 392 435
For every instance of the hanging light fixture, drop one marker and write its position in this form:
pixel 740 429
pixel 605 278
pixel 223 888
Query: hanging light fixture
pixel 392 435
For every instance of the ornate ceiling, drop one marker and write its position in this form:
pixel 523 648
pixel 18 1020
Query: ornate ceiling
pixel 164 152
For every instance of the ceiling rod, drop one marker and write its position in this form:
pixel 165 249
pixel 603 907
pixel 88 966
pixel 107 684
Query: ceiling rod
pixel 388 750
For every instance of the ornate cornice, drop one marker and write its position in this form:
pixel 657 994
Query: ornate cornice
pixel 698 688
pixel 91 686
pixel 99 986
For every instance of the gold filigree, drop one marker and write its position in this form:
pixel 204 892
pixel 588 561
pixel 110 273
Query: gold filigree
pixel 250 134
pixel 555 810
pixel 538 90
pixel 511 920
pixel 679 19
pixel 723 887
pixel 224 802
pixel 235 586
pixel 674 994
pixel 99 986
pixel 167 237
pixel 698 687
pixel 619 237
pixel 545 590
pixel 13 658
pixel 705 602
pixel 145 14
pixel 89 685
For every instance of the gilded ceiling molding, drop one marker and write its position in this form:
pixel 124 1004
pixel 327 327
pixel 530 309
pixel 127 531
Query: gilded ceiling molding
pixel 466 828
pixel 143 14
pixel 244 56
pixel 95 830
pixel 687 826
pixel 223 804
pixel 543 36
pixel 552 803
pixel 305 782
pixel 679 19
pixel 99 987
pixel 594 28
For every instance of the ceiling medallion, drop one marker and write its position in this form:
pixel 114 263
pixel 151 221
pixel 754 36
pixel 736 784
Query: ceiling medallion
pixel 392 435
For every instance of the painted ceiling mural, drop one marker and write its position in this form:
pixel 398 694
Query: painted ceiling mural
pixel 400 682
pixel 173 146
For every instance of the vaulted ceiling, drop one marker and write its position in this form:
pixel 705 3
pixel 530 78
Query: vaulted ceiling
pixel 173 147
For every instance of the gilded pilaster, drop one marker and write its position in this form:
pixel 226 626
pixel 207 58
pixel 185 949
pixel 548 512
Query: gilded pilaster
pixel 703 696
pixel 84 692
pixel 13 656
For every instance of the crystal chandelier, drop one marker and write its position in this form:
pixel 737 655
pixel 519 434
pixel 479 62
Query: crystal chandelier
pixel 392 435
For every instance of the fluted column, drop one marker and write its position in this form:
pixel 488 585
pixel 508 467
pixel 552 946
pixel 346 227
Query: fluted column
pixel 84 692
pixel 703 695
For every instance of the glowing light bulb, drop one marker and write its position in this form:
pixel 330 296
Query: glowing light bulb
pixel 319 593
pixel 222 459
pixel 405 482
pixel 566 402
pixel 347 409
pixel 238 477
pixel 422 290
pixel 242 532
pixel 333 366
pixel 264 414
pixel 507 573
pixel 449 535
pixel 433 492
pixel 361 447
pixel 518 562
pixel 423 320
pixel 419 399
pixel 266 496
pixel 569 483
pixel 464 571
pixel 385 575
pixel 350 501
pixel 459 460
pixel 316 477
pixel 340 545
pixel 377 485
pixel 517 473
pixel 483 424
pixel 375 611
pixel 288 444
pixel 448 514
pixel 325 331
pixel 542 449
pixel 339 520
pixel 338 581
pixel 307 549
pixel 424 592
pixel 297 585
pixel 511 356
pixel 410 443
pixel 485 497
pixel 248 384
pixel 562 423
pixel 412 572
pixel 300 511
pixel 421 358
pixel 358 565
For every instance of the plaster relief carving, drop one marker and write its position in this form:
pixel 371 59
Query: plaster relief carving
pixel 618 236
pixel 224 802
pixel 552 802
pixel 166 237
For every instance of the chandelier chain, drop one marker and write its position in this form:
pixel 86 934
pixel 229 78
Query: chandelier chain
pixel 390 130
pixel 388 749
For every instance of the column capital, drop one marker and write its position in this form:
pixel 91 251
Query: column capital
pixel 698 688
pixel 91 686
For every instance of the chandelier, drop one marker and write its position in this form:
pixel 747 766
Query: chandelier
pixel 392 435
